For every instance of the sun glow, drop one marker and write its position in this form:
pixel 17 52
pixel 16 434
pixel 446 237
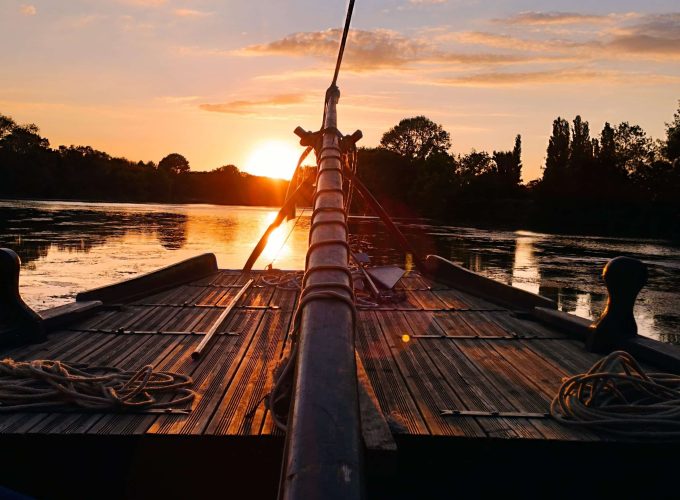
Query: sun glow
pixel 276 244
pixel 273 159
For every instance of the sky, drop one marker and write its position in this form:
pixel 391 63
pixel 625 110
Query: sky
pixel 216 80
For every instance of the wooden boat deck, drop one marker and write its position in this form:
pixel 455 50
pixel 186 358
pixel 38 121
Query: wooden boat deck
pixel 439 349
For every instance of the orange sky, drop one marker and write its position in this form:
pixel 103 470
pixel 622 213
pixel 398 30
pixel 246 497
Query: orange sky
pixel 214 79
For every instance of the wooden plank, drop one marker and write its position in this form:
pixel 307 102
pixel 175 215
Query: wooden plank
pixel 284 299
pixel 167 277
pixel 414 281
pixel 391 389
pixel 212 376
pixel 241 409
pixel 76 352
pixel 185 320
pixel 374 428
pixel 544 376
pixel 483 323
pixel 467 324
pixel 472 397
pixel 481 286
pixel 226 278
pixel 512 383
pixel 58 317
pixel 523 327
pixel 125 316
pixel 427 300
pixel 174 357
pixel 63 423
pixel 155 319
pixel 212 296
pixel 153 352
pixel 425 381
pixel 203 344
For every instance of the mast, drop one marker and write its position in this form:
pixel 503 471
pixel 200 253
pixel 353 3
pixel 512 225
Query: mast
pixel 323 455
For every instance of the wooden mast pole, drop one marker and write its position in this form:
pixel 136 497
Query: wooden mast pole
pixel 323 454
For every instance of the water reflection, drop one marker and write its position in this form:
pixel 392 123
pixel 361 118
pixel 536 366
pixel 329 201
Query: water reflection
pixel 566 269
pixel 525 273
pixel 68 247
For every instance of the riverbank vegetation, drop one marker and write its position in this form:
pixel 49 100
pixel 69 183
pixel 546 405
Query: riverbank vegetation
pixel 619 181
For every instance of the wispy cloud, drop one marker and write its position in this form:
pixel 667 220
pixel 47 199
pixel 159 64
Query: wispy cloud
pixel 191 13
pixel 656 35
pixel 552 77
pixel 374 50
pixel 427 2
pixel 28 10
pixel 549 18
pixel 143 3
pixel 653 37
pixel 365 49
pixel 497 78
pixel 257 106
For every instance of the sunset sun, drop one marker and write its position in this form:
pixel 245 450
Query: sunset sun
pixel 273 159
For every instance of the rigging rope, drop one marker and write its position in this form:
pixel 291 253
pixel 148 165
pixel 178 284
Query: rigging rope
pixel 343 41
pixel 276 255
pixel 617 396
pixel 338 62
pixel 44 384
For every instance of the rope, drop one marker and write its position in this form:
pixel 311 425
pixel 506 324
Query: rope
pixel 617 396
pixel 282 280
pixel 338 62
pixel 345 31
pixel 276 255
pixel 281 392
pixel 278 399
pixel 44 384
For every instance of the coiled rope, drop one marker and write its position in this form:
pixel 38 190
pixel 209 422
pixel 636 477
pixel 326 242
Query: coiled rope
pixel 617 396
pixel 47 384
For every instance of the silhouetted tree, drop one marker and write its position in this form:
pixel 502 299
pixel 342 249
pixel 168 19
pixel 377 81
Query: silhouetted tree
pixel 581 150
pixel 633 147
pixel 174 163
pixel 472 165
pixel 509 167
pixel 431 189
pixel 416 138
pixel 557 157
pixel 671 147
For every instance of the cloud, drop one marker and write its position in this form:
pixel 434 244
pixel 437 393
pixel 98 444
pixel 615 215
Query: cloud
pixel 143 3
pixel 374 50
pixel 553 77
pixel 427 2
pixel 365 49
pixel 551 18
pixel 496 79
pixel 504 41
pixel 244 107
pixel 28 10
pixel 652 37
pixel 655 35
pixel 191 13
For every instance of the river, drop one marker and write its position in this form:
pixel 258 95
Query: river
pixel 67 247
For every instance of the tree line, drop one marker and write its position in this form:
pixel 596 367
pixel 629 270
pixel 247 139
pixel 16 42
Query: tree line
pixel 30 168
pixel 620 182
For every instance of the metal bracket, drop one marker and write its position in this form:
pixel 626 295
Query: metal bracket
pixel 495 414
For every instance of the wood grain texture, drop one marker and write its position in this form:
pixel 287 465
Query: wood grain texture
pixel 461 353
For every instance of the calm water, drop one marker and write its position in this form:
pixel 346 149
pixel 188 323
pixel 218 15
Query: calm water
pixel 67 247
